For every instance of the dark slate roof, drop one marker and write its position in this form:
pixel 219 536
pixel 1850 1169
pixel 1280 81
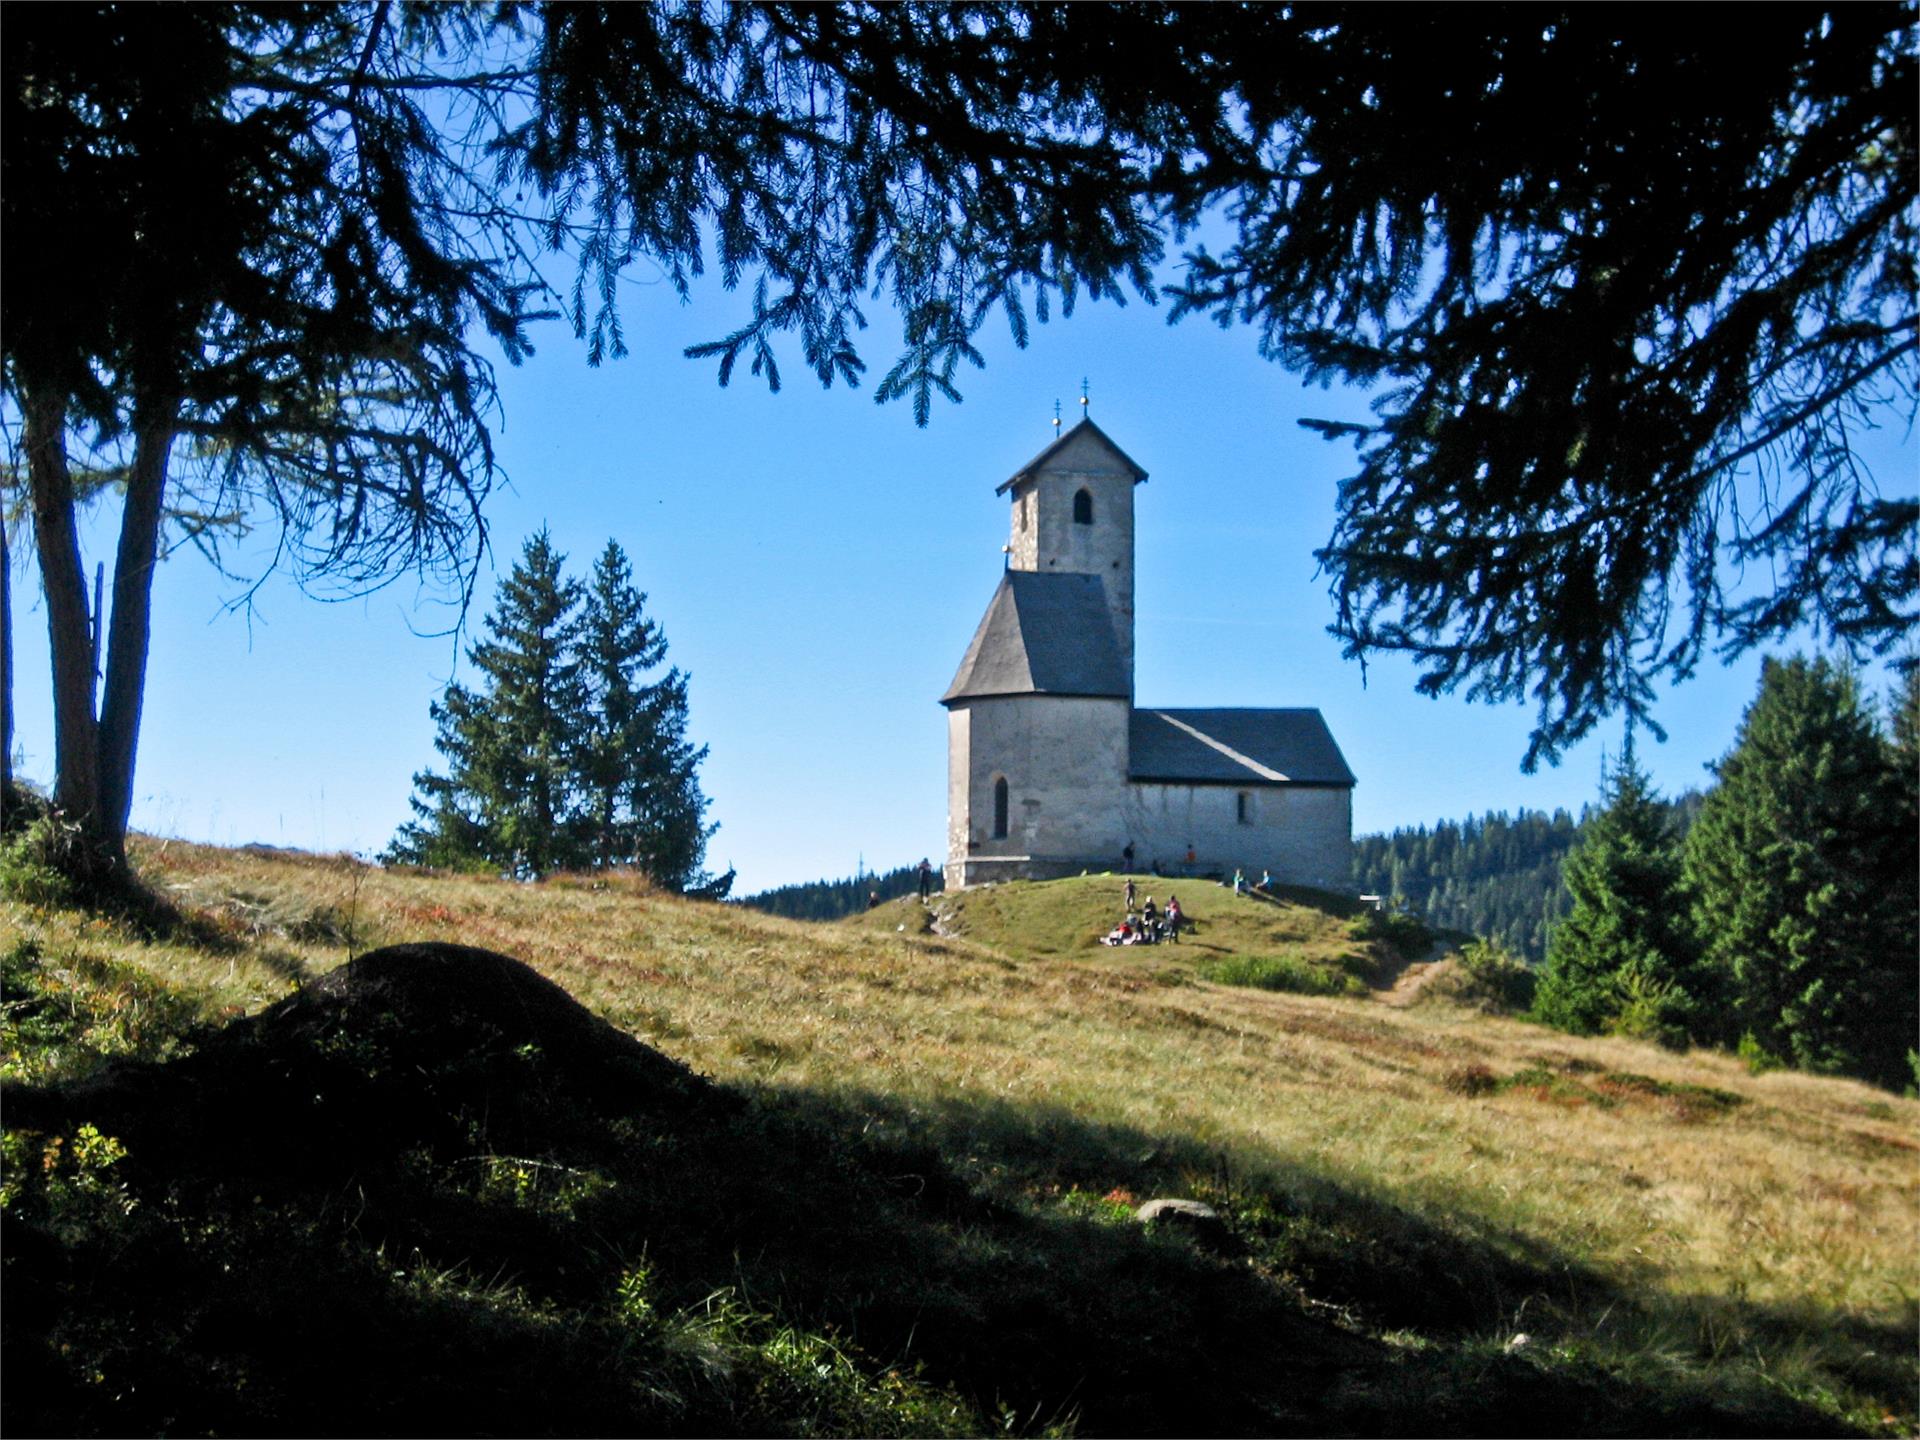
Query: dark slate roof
pixel 1236 747
pixel 1043 634
pixel 1085 427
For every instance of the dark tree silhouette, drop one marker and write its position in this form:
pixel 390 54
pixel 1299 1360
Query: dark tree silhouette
pixel 1628 309
pixel 235 284
pixel 1626 306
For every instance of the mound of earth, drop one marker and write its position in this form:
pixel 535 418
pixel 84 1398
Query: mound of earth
pixel 446 997
pixel 412 1046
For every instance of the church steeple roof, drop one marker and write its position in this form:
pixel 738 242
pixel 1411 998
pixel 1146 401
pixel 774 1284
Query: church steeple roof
pixel 1043 634
pixel 1085 431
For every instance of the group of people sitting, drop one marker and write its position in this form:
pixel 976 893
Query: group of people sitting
pixel 1147 926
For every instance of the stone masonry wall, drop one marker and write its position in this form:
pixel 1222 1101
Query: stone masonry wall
pixel 1063 758
pixel 1303 834
pixel 1044 538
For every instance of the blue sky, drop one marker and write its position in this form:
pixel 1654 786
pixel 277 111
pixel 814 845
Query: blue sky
pixel 818 564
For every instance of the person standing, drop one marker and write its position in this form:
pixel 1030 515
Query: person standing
pixel 926 878
pixel 1129 894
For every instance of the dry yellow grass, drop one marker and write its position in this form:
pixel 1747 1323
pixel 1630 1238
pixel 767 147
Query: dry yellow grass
pixel 1682 1176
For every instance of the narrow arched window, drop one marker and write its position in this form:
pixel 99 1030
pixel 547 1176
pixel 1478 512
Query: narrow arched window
pixel 1000 808
pixel 1244 808
pixel 1083 508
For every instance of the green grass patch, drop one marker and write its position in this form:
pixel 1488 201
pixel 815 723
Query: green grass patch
pixel 63 1014
pixel 1068 918
pixel 1284 973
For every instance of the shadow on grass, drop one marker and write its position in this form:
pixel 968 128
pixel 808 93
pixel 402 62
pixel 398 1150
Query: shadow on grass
pixel 440 1198
pixel 1348 1313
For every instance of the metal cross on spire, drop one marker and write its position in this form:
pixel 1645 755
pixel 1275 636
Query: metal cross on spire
pixel 1056 419
pixel 1083 397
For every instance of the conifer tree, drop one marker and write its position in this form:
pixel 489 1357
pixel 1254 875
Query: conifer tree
pixel 639 774
pixel 251 248
pixel 569 757
pixel 509 798
pixel 1618 958
pixel 1796 872
pixel 1903 751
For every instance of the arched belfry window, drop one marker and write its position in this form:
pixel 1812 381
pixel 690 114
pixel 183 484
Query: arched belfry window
pixel 1083 508
pixel 1000 808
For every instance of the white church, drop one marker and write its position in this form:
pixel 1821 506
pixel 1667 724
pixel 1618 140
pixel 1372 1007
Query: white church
pixel 1053 770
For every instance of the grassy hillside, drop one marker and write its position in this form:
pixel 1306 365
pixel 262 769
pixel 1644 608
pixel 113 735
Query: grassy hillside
pixel 905 1204
pixel 1068 917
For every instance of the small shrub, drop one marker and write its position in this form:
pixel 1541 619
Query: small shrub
pixel 35 863
pixel 20 806
pixel 1650 1009
pixel 1757 1058
pixel 1542 1082
pixel 65 1184
pixel 1406 936
pixel 1491 977
pixel 61 1016
pixel 634 1295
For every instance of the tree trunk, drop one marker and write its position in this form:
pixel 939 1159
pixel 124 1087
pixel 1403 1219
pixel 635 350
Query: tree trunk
pixel 127 639
pixel 76 788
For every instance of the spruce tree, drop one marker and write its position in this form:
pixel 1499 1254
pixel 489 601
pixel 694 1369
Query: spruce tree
pixel 569 757
pixel 1799 868
pixel 618 645
pixel 510 795
pixel 1618 959
pixel 639 773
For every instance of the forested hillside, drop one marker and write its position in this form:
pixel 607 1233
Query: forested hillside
pixel 1494 875
pixel 830 899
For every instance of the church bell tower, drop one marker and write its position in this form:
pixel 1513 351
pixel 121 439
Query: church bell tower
pixel 1038 713
pixel 1073 515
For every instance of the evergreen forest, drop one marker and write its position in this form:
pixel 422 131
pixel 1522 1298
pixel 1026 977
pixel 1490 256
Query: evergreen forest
pixel 831 899
pixel 1783 922
pixel 1495 875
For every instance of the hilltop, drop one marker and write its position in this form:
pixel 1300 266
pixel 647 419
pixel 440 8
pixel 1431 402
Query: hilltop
pixel 879 1176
